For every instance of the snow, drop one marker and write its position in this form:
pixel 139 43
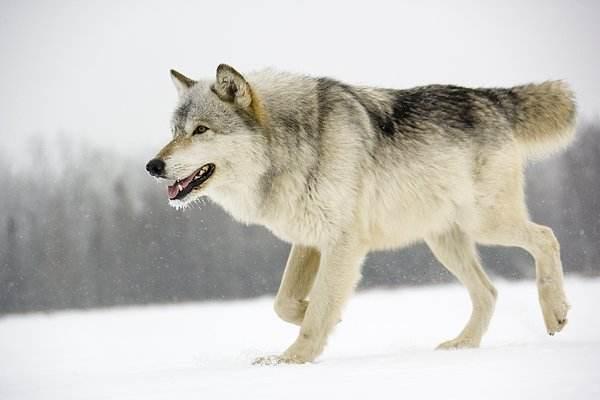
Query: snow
pixel 382 348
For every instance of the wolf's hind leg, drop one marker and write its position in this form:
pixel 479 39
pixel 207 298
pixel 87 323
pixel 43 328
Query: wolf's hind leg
pixel 457 252
pixel 297 281
pixel 504 220
pixel 541 243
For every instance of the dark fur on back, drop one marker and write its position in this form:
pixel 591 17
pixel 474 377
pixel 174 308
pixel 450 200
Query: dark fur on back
pixel 411 112
pixel 460 113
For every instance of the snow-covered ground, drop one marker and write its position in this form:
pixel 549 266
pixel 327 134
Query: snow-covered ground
pixel 382 349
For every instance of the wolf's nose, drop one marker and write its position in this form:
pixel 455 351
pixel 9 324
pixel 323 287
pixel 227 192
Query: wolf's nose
pixel 156 167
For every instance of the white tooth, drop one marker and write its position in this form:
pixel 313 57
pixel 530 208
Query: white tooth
pixel 180 187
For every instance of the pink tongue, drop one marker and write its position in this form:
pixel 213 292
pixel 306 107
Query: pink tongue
pixel 173 190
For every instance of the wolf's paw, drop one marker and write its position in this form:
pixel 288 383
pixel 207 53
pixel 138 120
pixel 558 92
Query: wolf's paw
pixel 276 360
pixel 458 343
pixel 555 314
pixel 291 311
pixel 554 307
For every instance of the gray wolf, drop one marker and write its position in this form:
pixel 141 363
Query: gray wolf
pixel 340 170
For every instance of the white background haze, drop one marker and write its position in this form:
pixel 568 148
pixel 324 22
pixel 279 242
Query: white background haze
pixel 99 70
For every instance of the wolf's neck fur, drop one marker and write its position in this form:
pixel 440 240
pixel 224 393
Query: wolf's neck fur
pixel 278 187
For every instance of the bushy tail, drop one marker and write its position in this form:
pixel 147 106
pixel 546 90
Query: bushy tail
pixel 543 116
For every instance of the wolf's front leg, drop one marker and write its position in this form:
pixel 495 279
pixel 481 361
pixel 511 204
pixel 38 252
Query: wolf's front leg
pixel 297 281
pixel 339 272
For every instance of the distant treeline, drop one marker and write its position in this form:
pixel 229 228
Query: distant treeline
pixel 84 228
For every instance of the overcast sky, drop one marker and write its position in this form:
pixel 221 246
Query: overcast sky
pixel 99 70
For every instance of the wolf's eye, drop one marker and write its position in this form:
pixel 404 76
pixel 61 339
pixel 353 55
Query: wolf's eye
pixel 200 129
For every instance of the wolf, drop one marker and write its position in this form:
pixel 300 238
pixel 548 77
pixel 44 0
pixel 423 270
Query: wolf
pixel 339 170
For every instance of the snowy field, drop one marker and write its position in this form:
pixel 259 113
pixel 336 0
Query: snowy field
pixel 382 349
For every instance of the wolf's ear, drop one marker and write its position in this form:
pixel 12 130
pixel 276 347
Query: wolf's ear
pixel 232 87
pixel 182 83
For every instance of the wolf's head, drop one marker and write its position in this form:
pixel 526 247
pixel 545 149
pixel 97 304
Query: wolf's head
pixel 218 138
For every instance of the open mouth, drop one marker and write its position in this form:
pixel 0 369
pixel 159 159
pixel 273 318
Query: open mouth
pixel 183 187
